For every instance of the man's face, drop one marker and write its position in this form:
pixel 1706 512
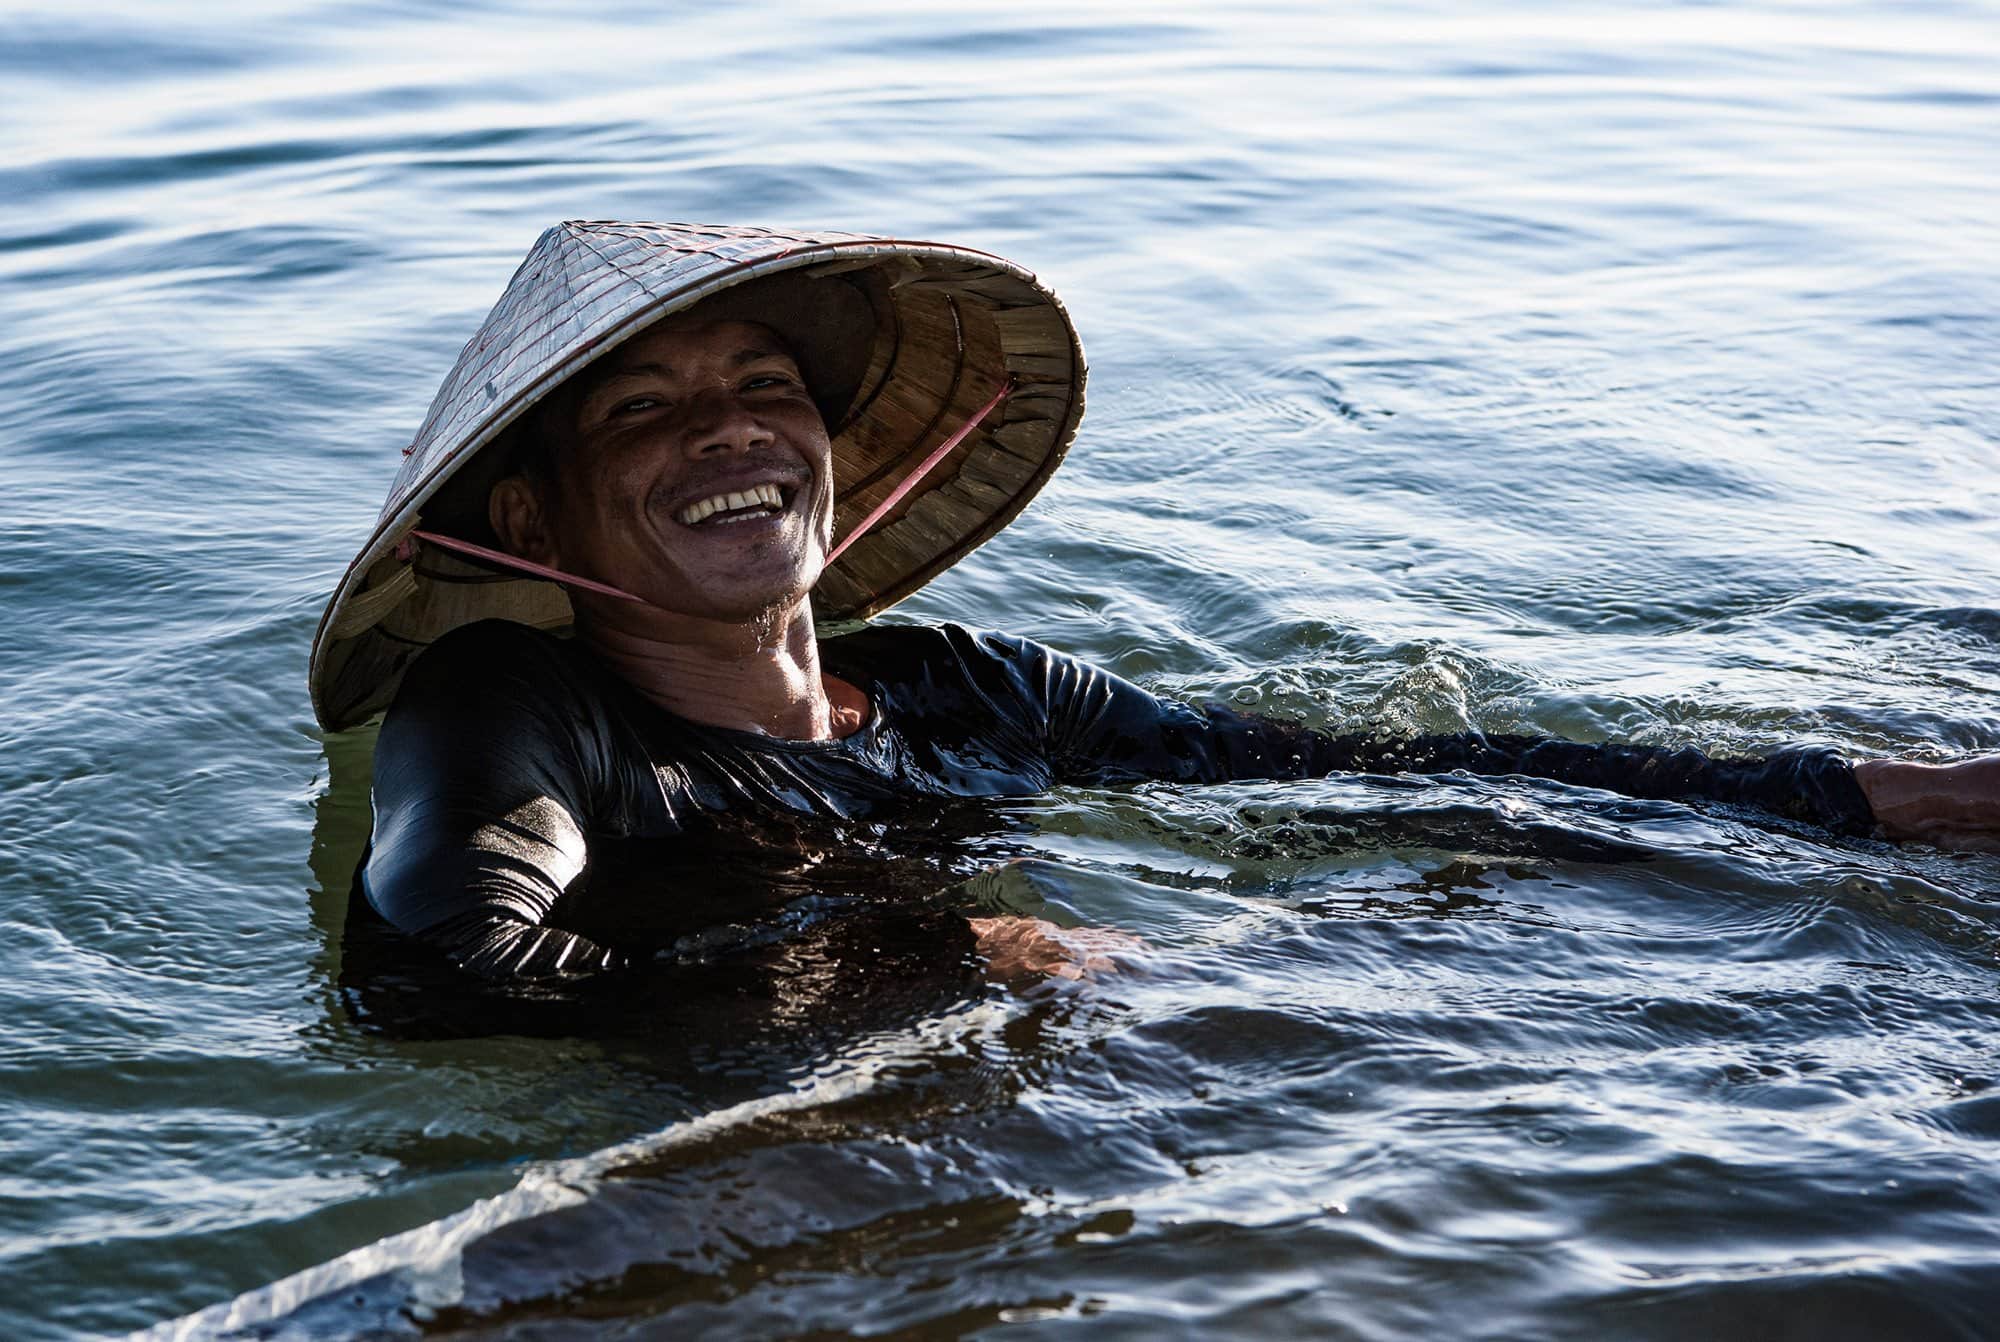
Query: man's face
pixel 696 473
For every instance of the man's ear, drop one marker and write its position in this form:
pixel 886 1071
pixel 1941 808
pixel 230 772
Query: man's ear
pixel 515 510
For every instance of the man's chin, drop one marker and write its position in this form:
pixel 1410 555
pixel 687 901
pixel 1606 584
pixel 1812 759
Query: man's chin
pixel 731 602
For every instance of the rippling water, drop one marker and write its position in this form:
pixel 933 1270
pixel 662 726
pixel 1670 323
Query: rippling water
pixel 1612 372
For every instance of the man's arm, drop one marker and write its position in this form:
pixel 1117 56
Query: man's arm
pixel 481 790
pixel 1106 729
pixel 1813 784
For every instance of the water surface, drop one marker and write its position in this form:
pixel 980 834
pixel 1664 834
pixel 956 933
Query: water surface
pixel 1616 372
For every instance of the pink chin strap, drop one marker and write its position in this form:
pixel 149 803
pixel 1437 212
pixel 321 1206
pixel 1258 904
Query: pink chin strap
pixel 406 548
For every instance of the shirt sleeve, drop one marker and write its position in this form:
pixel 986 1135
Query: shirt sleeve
pixel 1103 729
pixel 483 780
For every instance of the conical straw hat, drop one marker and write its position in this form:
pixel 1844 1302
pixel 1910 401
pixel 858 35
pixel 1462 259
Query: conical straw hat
pixel 901 342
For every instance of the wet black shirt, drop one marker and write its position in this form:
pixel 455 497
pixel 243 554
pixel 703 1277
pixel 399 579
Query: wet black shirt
pixel 511 759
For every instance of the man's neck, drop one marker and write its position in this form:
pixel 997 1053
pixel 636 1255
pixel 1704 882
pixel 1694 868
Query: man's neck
pixel 762 676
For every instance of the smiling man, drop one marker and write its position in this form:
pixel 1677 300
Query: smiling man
pixel 693 466
pixel 591 598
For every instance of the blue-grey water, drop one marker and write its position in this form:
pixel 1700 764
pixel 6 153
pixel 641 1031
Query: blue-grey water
pixel 1615 371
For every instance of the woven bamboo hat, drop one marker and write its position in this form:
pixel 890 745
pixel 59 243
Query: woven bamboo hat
pixel 901 343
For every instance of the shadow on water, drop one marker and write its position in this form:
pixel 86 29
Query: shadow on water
pixel 865 1175
pixel 867 1115
pixel 815 1005
pixel 824 1031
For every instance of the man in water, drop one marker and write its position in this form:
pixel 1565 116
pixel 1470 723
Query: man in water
pixel 680 481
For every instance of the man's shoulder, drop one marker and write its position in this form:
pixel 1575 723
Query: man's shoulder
pixel 879 646
pixel 949 668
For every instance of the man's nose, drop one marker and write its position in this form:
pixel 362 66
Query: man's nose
pixel 719 421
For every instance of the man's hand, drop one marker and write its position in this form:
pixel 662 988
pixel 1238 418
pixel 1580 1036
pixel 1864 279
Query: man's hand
pixel 1017 947
pixel 1946 805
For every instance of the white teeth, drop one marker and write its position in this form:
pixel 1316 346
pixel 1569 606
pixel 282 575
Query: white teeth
pixel 766 495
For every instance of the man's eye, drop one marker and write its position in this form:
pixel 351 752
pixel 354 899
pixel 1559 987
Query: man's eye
pixel 632 405
pixel 762 381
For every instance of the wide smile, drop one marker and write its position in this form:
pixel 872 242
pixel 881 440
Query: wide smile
pixel 751 503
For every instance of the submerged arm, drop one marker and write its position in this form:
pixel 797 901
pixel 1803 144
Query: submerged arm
pixel 1105 729
pixel 1816 785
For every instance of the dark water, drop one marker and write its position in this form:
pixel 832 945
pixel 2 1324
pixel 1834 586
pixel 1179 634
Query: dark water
pixel 1607 371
